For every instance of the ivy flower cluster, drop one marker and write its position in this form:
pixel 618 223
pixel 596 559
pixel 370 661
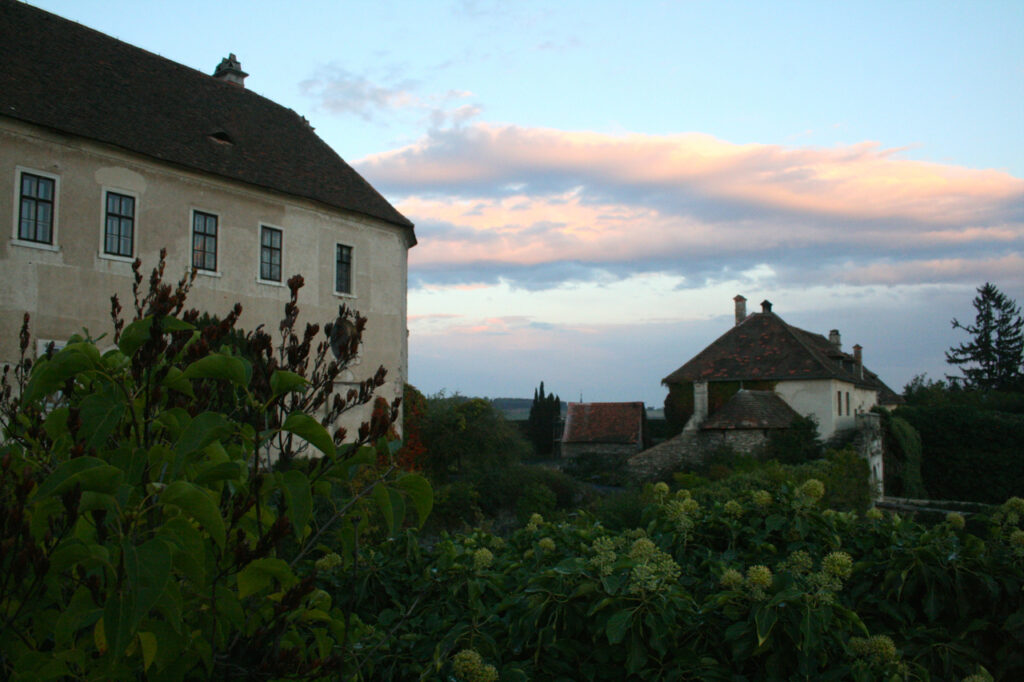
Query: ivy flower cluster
pixel 878 649
pixel 653 568
pixel 534 522
pixel 762 498
pixel 955 520
pixel 469 666
pixel 759 579
pixel 680 512
pixel 734 509
pixel 482 559
pixel 328 562
pixel 809 494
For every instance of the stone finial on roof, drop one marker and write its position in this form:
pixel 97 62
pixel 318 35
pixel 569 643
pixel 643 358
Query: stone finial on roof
pixel 766 306
pixel 230 70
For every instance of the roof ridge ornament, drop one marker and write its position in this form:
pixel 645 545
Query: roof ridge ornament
pixel 230 70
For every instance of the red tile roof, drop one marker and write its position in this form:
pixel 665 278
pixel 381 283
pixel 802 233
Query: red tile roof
pixel 764 348
pixel 752 410
pixel 69 78
pixel 604 423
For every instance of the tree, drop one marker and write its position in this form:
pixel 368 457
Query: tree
pixel 544 415
pixel 992 359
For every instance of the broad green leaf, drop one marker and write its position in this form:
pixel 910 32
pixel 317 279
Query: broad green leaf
pixel 101 413
pixel 617 626
pixel 283 381
pixel 201 431
pixel 310 430
pixel 383 500
pixel 221 471
pixel 136 333
pixel 299 498
pixel 48 376
pixel 217 366
pixel 147 570
pixel 189 551
pixel 197 503
pixel 147 642
pixel 419 491
pixel 397 506
pixel 177 381
pixel 91 473
pixel 261 574
pixel 116 628
pixel 56 424
pixel 764 619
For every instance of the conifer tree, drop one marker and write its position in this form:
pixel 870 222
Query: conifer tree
pixel 544 414
pixel 992 358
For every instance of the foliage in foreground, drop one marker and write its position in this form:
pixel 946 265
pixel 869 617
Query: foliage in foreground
pixel 766 586
pixel 143 531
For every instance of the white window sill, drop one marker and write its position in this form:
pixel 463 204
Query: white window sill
pixel 341 294
pixel 119 259
pixel 35 245
pixel 269 282
pixel 208 273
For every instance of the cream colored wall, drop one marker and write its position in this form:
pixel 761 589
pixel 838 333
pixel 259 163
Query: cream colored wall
pixel 817 397
pixel 69 287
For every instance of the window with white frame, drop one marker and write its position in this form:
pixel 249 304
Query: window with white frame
pixel 271 248
pixel 204 241
pixel 343 269
pixel 119 225
pixel 37 196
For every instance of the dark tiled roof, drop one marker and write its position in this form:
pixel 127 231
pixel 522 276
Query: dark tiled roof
pixel 61 75
pixel 604 423
pixel 752 410
pixel 764 348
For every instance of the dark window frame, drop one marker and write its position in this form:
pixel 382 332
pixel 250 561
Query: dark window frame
pixel 271 267
pixel 29 226
pixel 118 220
pixel 204 240
pixel 343 274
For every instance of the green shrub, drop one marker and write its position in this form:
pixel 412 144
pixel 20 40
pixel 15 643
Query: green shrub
pixel 969 454
pixel 144 533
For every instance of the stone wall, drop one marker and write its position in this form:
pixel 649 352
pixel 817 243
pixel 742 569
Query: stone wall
pixel 578 450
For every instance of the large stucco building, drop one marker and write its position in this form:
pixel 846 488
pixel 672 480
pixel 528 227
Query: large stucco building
pixel 109 153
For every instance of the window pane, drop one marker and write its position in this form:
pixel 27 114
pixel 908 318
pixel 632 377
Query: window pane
pixel 45 188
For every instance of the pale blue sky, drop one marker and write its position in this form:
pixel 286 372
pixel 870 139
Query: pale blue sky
pixel 592 182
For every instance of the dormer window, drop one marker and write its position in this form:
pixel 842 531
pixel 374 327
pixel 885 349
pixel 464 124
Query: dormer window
pixel 221 137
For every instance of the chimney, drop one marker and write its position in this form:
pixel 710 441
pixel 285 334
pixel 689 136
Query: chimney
pixel 858 359
pixel 230 70
pixel 766 306
pixel 741 308
pixel 833 338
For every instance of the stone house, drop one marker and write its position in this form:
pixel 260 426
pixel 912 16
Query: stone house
pixel 757 378
pixel 761 352
pixel 109 153
pixel 604 430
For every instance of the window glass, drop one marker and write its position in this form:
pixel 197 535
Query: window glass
pixel 35 217
pixel 119 235
pixel 204 241
pixel 343 270
pixel 270 254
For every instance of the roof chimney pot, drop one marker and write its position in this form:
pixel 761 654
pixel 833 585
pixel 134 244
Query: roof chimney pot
pixel 858 359
pixel 230 70
pixel 741 308
pixel 833 338
pixel 766 306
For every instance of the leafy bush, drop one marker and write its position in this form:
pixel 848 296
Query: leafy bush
pixel 144 533
pixel 764 586
pixel 794 445
pixel 968 453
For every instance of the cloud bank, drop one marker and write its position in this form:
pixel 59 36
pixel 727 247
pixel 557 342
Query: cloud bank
pixel 539 208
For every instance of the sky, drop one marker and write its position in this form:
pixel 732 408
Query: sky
pixel 593 182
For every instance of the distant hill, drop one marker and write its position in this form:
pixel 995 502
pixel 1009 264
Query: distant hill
pixel 518 409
